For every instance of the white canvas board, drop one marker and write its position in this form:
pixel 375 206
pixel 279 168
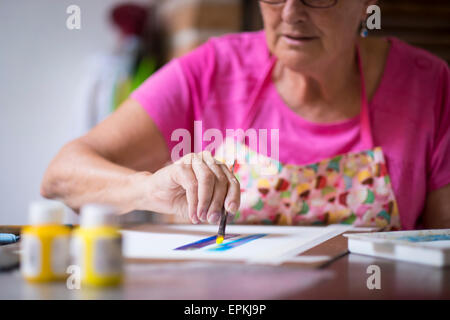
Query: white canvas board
pixel 278 244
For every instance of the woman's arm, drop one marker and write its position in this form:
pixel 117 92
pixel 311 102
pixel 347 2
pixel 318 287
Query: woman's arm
pixel 114 162
pixel 437 209
pixel 103 165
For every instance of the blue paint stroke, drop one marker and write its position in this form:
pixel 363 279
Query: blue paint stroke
pixel 426 238
pixel 204 242
pixel 236 243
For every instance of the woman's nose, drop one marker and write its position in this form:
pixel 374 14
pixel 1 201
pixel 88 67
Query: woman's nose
pixel 294 11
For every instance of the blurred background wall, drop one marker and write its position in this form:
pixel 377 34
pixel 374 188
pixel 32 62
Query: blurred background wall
pixel 42 64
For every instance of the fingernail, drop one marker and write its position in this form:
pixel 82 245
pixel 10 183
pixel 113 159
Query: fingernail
pixel 232 207
pixel 204 215
pixel 200 216
pixel 213 218
pixel 195 220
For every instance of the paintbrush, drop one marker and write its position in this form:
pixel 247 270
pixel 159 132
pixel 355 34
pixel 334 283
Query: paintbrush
pixel 223 219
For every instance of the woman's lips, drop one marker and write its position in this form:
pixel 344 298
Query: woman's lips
pixel 297 40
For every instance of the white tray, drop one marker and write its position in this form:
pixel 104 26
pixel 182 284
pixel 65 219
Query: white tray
pixel 430 247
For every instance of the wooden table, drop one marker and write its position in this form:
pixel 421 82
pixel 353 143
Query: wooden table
pixel 344 278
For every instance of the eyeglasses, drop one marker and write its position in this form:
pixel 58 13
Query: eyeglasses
pixel 319 4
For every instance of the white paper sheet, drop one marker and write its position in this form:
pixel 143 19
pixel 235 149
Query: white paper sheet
pixel 278 245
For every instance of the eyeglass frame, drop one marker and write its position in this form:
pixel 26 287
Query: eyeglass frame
pixel 302 1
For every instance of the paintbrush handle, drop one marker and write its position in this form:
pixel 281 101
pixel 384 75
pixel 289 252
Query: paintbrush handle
pixel 224 216
pixel 223 223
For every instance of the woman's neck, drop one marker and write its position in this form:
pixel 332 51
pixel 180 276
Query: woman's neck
pixel 327 92
pixel 331 91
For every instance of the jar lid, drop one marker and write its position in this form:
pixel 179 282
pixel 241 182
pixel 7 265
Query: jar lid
pixel 97 215
pixel 46 212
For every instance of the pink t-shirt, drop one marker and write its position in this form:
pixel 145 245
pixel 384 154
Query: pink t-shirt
pixel 409 113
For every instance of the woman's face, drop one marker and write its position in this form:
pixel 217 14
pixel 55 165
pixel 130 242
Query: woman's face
pixel 301 37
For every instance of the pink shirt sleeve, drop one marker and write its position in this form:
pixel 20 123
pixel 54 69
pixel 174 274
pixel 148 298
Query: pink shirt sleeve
pixel 439 169
pixel 175 95
pixel 165 97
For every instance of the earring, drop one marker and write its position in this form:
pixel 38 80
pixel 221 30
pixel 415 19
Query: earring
pixel 364 32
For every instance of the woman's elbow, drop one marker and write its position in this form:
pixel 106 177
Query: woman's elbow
pixel 48 189
pixel 54 176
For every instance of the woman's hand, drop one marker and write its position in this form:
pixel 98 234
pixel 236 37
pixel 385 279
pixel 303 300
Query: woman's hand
pixel 197 186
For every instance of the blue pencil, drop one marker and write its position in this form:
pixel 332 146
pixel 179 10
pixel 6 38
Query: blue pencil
pixel 7 238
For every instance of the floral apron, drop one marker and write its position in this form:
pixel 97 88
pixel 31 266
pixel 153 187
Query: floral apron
pixel 353 188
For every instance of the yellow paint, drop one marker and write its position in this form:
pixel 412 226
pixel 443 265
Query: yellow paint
pixel 44 236
pixel 219 239
pixel 89 254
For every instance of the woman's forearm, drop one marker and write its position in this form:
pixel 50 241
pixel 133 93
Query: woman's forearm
pixel 80 175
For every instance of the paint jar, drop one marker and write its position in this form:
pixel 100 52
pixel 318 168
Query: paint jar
pixel 97 246
pixel 45 243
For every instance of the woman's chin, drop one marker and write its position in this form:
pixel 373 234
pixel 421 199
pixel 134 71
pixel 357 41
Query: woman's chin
pixel 301 56
pixel 297 60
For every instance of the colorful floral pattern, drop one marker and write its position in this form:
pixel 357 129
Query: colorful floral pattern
pixel 353 188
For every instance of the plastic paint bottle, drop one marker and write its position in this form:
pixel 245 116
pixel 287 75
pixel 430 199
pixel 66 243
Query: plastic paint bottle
pixel 97 246
pixel 45 243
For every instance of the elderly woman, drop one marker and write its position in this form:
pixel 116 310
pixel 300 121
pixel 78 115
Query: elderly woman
pixel 363 127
